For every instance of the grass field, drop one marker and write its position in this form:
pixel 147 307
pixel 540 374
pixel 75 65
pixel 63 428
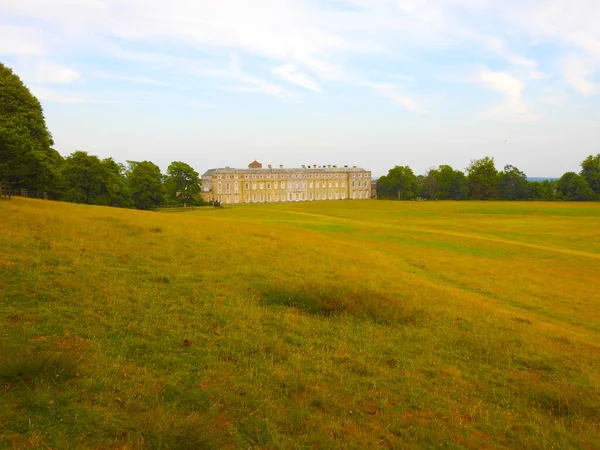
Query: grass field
pixel 358 324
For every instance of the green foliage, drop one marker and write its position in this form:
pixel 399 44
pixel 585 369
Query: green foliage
pixel 445 183
pixel 87 179
pixel 574 187
pixel 513 184
pixel 590 170
pixel 182 184
pixel 483 178
pixel 542 190
pixel 400 183
pixel 26 157
pixel 145 184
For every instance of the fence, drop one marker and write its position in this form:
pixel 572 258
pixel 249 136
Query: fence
pixel 7 192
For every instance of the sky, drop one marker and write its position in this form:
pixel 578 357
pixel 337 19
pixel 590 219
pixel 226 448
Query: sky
pixel 372 83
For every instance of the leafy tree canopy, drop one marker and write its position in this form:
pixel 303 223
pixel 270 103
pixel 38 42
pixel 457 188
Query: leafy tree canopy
pixel 483 178
pixel 574 187
pixel 26 157
pixel 400 183
pixel 182 184
pixel 145 184
pixel 513 184
pixel 590 170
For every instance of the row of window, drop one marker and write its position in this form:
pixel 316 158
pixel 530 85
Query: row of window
pixel 318 185
pixel 291 197
pixel 286 176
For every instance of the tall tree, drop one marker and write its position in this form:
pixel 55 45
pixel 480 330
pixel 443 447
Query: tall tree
pixel 26 156
pixel 590 170
pixel 513 184
pixel 145 184
pixel 400 183
pixel 429 184
pixel 117 189
pixel 542 190
pixel 459 189
pixel 182 184
pixel 483 178
pixel 574 187
pixel 84 179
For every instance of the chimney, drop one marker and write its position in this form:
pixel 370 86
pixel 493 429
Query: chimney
pixel 303 166
pixel 281 166
pixel 314 166
pixel 270 166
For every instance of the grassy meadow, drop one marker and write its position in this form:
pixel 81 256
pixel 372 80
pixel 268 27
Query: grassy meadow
pixel 351 324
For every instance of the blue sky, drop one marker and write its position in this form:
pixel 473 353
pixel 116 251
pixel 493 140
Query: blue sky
pixel 374 83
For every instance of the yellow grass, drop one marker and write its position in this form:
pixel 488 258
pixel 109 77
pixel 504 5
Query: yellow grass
pixel 335 324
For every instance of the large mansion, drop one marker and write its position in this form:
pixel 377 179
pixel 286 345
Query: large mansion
pixel 309 183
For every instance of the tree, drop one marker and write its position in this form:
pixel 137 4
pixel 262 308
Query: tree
pixel 145 184
pixel 182 184
pixel 574 187
pixel 117 189
pixel 429 184
pixel 513 184
pixel 400 183
pixel 84 177
pixel 542 190
pixel 590 170
pixel 87 179
pixel 483 178
pixel 452 184
pixel 459 189
pixel 26 156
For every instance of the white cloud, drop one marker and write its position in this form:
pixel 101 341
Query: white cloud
pixel 577 71
pixel 391 92
pixel 54 96
pixel 20 41
pixel 49 72
pixel 511 88
pixel 291 74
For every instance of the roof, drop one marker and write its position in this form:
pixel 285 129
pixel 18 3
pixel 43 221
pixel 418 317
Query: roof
pixel 229 170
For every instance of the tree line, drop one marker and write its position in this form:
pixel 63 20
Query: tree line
pixel 28 161
pixel 482 181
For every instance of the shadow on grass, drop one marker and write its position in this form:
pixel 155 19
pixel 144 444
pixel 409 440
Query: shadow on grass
pixel 331 300
pixel 32 367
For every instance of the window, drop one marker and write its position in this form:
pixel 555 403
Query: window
pixel 247 186
pixel 269 187
pixel 276 185
pixel 262 185
pixel 253 185
pixel 330 184
pixel 283 185
pixel 219 189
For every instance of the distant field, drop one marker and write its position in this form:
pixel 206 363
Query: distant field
pixel 358 324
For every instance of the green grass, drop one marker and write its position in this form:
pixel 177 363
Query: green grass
pixel 312 325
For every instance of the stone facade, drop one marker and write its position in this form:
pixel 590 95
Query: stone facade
pixel 312 183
